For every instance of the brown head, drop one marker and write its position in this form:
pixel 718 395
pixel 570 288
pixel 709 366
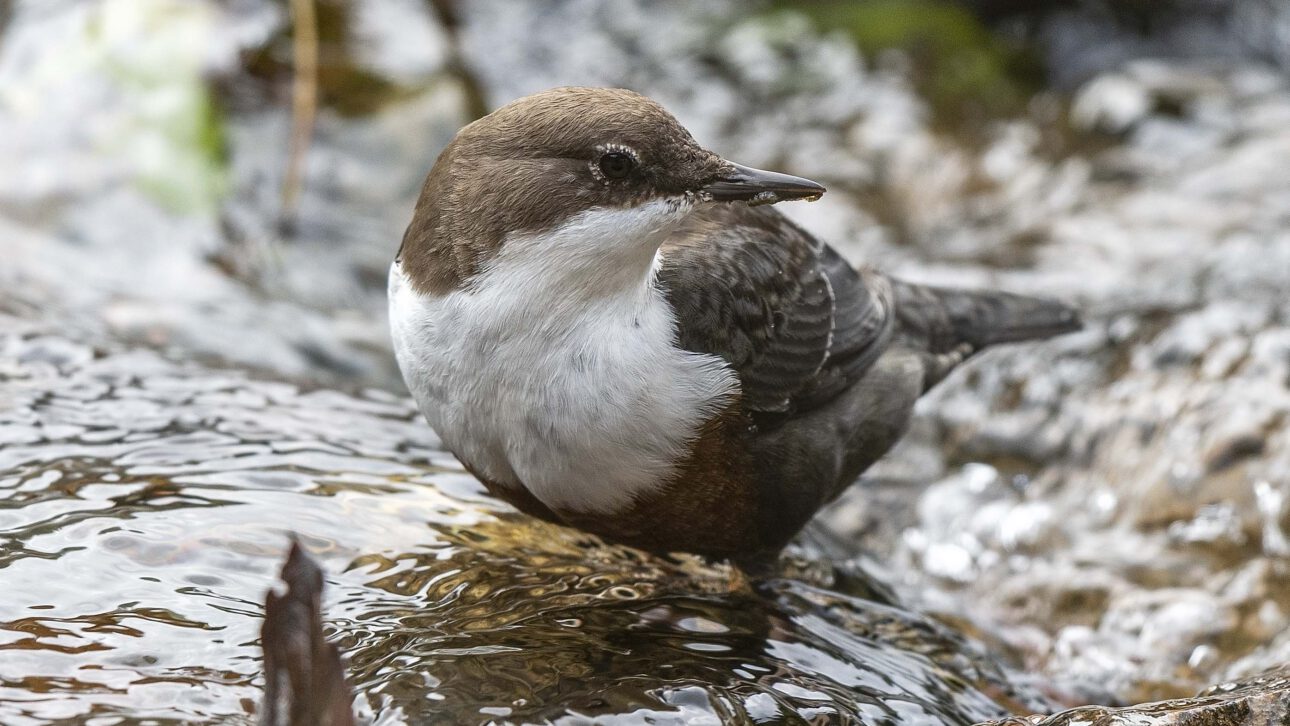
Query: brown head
pixel 539 162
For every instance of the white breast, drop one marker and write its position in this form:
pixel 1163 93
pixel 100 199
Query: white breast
pixel 556 369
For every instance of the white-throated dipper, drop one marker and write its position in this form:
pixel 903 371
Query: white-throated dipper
pixel 608 326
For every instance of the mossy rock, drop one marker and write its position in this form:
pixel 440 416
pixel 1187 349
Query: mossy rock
pixel 967 73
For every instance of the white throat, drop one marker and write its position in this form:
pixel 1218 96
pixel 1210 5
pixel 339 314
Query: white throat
pixel 556 367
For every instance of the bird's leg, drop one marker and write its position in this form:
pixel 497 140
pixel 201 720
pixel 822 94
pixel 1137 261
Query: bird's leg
pixel 936 367
pixel 748 571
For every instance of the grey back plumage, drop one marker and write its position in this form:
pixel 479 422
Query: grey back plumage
pixel 800 325
pixel 830 359
pixel 794 320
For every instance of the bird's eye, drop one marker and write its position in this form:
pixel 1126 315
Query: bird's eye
pixel 616 165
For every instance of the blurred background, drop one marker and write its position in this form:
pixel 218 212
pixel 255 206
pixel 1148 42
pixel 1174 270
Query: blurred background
pixel 226 181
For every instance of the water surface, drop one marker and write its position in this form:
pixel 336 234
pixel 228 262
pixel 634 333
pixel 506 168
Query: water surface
pixel 147 505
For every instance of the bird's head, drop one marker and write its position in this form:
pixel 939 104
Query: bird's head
pixel 601 174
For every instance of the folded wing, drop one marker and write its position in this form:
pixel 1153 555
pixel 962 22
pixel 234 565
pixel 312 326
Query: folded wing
pixel 795 321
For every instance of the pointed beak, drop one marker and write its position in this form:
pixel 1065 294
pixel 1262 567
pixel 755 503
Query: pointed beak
pixel 744 184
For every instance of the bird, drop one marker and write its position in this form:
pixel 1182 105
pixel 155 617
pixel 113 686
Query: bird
pixel 614 329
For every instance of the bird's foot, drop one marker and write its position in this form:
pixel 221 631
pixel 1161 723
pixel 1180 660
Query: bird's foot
pixel 936 367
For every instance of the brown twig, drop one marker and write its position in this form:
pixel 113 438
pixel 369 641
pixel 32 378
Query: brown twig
pixel 304 102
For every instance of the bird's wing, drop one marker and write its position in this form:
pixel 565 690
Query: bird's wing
pixel 795 321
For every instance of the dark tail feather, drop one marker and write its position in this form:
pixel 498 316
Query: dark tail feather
pixel 943 318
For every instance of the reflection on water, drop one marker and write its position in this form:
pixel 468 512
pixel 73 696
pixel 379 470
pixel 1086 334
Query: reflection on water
pixel 146 506
pixel 523 620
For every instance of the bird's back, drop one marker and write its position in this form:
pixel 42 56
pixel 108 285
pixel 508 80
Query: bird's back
pixel 795 321
pixel 830 359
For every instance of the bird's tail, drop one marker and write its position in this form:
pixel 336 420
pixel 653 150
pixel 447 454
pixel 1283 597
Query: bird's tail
pixel 944 319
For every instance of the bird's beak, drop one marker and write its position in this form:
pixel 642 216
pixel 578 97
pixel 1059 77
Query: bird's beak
pixel 743 184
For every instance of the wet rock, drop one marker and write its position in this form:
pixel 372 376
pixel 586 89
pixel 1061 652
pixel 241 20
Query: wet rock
pixel 1254 701
pixel 1110 103
pixel 303 674
pixel 1145 443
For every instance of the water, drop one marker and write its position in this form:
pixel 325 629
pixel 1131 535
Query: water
pixel 147 505
pixel 1106 511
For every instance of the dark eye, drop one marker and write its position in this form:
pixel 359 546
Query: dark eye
pixel 616 165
